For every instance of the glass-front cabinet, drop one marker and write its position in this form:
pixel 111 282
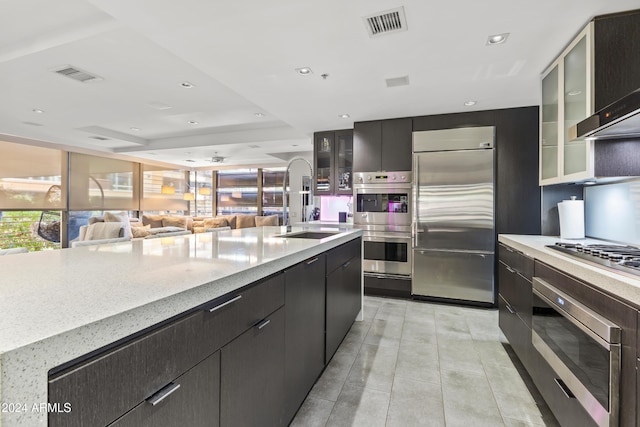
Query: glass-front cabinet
pixel 333 162
pixel 567 98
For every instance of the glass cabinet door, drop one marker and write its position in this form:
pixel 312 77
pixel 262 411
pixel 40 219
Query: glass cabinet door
pixel 576 107
pixel 550 115
pixel 344 162
pixel 324 146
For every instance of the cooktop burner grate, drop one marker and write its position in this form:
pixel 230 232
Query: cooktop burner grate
pixel 621 258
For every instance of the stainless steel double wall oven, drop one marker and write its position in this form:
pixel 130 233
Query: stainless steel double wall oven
pixel 383 211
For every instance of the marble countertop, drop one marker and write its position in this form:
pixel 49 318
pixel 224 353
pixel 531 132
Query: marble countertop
pixel 58 305
pixel 617 284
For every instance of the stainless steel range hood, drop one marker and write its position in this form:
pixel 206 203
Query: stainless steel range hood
pixel 618 120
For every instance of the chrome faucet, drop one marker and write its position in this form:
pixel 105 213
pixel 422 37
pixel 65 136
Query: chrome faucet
pixel 285 218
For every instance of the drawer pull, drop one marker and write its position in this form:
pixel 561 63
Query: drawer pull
pixel 163 393
pixel 312 261
pixel 564 388
pixel 511 269
pixel 508 248
pixel 232 300
pixel 346 264
pixel 510 309
pixel 264 323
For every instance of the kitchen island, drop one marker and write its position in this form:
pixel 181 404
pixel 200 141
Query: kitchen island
pixel 60 306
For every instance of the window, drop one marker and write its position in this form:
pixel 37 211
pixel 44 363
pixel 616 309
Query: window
pixel 237 192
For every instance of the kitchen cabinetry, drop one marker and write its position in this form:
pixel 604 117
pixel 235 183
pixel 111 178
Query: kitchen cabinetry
pixel 304 332
pixel 593 71
pixel 558 396
pixel 567 94
pixel 343 283
pixel 383 145
pixel 333 162
pixel 247 358
pixel 190 400
pixel 252 375
pixel 515 272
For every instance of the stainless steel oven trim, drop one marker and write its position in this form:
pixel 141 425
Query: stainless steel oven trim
pixel 601 329
pixel 596 411
pixel 397 269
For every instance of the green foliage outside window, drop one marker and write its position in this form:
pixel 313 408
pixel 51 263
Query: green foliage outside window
pixel 18 229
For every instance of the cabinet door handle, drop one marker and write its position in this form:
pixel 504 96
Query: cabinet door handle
pixel 219 306
pixel 346 264
pixel 511 310
pixel 163 393
pixel 564 388
pixel 511 270
pixel 264 323
pixel 508 248
pixel 312 261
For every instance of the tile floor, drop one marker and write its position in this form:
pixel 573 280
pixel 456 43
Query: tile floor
pixel 412 363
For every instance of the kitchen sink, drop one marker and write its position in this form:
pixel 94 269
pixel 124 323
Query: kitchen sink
pixel 309 234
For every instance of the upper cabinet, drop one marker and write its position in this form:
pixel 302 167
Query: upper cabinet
pixel 382 145
pixel 567 94
pixel 333 162
pixel 594 70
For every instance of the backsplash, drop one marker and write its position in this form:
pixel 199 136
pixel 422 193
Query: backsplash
pixel 612 212
pixel 331 205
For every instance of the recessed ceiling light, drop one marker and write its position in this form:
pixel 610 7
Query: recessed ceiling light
pixel 574 92
pixel 134 129
pixel 192 122
pixel 187 85
pixel 259 114
pixel 37 111
pixel 344 116
pixel 470 103
pixel 304 71
pixel 497 38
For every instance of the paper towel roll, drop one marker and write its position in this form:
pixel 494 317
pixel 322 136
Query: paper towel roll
pixel 571 218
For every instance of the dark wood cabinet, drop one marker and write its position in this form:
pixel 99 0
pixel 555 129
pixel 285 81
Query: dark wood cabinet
pixel 252 376
pixel 333 162
pixel 304 331
pixel 515 301
pixel 103 389
pixel 248 358
pixel 616 71
pixel 343 282
pixel 383 145
pixel 193 399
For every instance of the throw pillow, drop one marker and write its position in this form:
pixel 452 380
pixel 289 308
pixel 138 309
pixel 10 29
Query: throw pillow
pixel 231 220
pixel 103 230
pixel 95 219
pixel 175 221
pixel 198 229
pixel 245 221
pixel 121 217
pixel 142 231
pixel 199 223
pixel 214 222
pixel 138 224
pixel 267 220
pixel 154 220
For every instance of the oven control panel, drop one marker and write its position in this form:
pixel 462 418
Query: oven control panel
pixel 382 177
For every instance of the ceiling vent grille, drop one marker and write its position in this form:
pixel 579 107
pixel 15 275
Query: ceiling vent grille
pixel 389 21
pixel 99 138
pixel 77 74
pixel 397 81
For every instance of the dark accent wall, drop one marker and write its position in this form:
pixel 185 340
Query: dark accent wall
pixel 551 196
pixel 517 194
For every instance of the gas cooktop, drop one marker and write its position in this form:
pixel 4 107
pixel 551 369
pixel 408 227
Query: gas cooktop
pixel 621 258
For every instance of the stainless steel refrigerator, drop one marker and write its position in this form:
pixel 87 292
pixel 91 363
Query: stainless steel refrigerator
pixel 453 214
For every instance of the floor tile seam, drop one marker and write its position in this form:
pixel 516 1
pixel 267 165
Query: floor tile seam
pixel 393 379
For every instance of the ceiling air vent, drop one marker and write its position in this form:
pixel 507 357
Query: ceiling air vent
pixel 77 74
pixel 389 21
pixel 99 138
pixel 397 81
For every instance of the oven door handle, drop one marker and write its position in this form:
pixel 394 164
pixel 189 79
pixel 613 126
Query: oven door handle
pixel 394 239
pixel 588 321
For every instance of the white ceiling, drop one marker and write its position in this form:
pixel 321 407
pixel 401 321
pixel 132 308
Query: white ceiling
pixel 241 56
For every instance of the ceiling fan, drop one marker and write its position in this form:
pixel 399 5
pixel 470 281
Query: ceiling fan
pixel 216 158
